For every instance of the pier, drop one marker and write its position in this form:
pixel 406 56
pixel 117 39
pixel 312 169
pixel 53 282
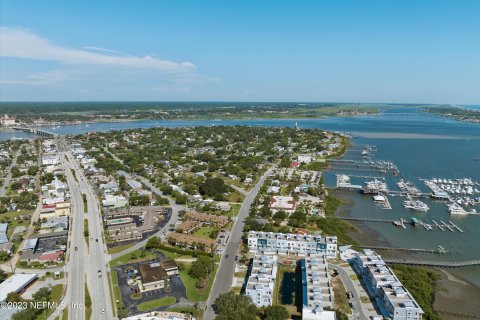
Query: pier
pixel 378 166
pixel 455 226
pixel 437 225
pixel 402 223
pixel 438 264
pixel 36 131
pixel 405 249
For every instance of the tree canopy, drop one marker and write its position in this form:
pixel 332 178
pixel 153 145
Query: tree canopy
pixel 231 306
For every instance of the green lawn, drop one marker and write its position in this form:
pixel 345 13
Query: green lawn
pixel 116 290
pixel 131 257
pixel 194 294
pixel 119 248
pixel 203 232
pixel 157 303
pixel 234 211
pixel 174 255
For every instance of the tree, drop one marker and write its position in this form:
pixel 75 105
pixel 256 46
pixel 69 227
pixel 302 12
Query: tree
pixel 43 294
pixel 27 314
pixel 3 256
pixel 230 306
pixel 181 199
pixel 213 186
pixel 153 243
pixel 275 313
pixel 3 275
pixel 201 268
pixel 14 297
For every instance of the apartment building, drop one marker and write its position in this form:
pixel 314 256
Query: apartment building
pixel 394 300
pixel 261 282
pixel 317 293
pixel 295 244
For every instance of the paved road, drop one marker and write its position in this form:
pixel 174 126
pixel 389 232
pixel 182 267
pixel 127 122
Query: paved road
pixel 97 257
pixel 75 295
pixel 224 277
pixel 358 311
pixel 3 188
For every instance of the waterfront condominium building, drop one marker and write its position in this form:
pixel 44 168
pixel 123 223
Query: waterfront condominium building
pixel 394 300
pixel 295 244
pixel 317 293
pixel 261 282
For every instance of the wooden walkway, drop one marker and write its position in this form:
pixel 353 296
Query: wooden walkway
pixel 440 264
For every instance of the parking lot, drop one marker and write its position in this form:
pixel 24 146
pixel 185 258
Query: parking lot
pixel 177 288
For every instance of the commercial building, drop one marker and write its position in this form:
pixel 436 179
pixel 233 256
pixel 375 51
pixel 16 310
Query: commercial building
pixel 111 201
pixel 261 282
pixel 7 121
pixel 317 293
pixel 394 300
pixel 154 275
pixel 50 160
pixel 281 203
pixel 16 283
pixel 295 244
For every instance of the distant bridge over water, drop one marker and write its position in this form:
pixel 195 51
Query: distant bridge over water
pixel 35 131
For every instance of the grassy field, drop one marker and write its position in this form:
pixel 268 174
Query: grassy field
pixel 157 303
pixel 194 294
pixel 174 255
pixel 116 290
pixel 341 301
pixel 203 232
pixel 119 248
pixel 131 257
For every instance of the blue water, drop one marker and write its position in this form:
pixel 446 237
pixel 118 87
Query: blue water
pixel 423 145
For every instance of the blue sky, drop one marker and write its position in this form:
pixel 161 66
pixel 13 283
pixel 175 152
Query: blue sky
pixel 344 51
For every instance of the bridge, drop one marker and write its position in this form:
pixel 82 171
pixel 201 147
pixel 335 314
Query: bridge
pixel 438 264
pixel 36 131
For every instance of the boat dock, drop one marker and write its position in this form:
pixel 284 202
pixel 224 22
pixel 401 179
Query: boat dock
pixel 442 226
pixel 383 167
pixel 455 226
pixel 446 225
pixel 439 250
pixel 437 225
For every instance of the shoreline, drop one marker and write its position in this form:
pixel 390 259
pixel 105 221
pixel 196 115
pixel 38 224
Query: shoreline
pixel 453 293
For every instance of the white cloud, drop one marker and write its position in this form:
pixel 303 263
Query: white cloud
pixel 99 49
pixel 23 44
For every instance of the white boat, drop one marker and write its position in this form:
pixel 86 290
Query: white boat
pixel 416 205
pixel 456 209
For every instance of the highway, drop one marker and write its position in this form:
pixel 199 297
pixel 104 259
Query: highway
pixel 87 260
pixel 75 295
pixel 223 279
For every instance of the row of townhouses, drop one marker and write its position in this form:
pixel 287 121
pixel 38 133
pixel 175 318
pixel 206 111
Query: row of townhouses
pixel 392 297
pixel 295 244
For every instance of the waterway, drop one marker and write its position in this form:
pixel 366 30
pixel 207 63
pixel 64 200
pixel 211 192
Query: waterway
pixel 422 145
